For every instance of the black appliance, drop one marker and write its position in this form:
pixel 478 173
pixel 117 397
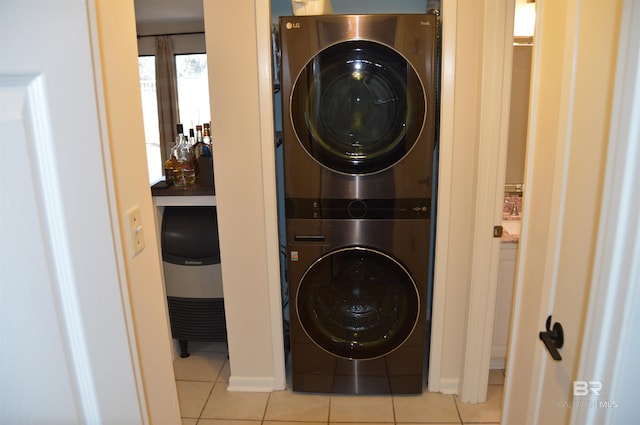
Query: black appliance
pixel 192 275
pixel 359 113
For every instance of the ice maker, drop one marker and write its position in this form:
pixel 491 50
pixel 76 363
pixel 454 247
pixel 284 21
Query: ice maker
pixel 193 279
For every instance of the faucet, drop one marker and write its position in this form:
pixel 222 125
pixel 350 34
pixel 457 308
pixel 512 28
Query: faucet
pixel 514 209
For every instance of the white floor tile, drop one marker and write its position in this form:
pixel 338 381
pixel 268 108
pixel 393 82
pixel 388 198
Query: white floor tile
pixel 234 405
pixel 220 347
pixel 361 423
pixel 289 406
pixel 491 411
pixel 425 407
pixel 227 422
pixel 192 396
pixel 496 377
pixel 358 408
pixel 199 366
pixel 202 381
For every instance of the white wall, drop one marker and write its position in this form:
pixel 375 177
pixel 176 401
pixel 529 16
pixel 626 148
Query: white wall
pixel 73 301
pixel 123 108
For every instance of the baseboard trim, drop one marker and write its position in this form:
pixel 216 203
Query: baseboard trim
pixel 497 363
pixel 251 384
pixel 449 386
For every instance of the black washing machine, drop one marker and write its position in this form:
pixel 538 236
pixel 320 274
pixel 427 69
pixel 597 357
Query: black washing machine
pixel 358 294
pixel 359 102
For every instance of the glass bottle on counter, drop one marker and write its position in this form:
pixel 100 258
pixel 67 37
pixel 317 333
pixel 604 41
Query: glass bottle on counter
pixel 184 173
pixel 168 171
pixel 198 147
pixel 206 137
pixel 205 160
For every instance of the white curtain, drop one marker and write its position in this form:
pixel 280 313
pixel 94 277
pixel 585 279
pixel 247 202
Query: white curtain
pixel 167 93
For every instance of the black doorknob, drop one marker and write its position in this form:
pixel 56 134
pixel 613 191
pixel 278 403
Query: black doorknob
pixel 553 339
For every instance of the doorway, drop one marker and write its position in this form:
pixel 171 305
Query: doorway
pixel 514 188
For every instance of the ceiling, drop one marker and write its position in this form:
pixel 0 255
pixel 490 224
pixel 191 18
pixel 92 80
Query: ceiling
pixel 168 10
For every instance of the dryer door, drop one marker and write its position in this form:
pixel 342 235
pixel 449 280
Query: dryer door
pixel 358 107
pixel 357 303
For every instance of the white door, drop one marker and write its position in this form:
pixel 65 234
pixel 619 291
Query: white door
pixel 573 92
pixel 65 355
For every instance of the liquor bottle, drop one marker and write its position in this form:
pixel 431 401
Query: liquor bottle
pixel 199 145
pixel 206 134
pixel 205 161
pixel 184 173
pixel 168 171
pixel 206 138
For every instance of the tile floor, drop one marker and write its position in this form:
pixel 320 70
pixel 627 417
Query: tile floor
pixel 202 378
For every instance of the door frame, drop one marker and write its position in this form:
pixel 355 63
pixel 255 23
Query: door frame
pixel 492 142
pixel 495 106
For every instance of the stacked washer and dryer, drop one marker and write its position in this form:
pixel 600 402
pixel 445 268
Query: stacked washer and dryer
pixel 359 102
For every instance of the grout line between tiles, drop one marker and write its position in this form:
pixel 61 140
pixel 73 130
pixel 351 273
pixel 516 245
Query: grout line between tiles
pixel 206 402
pixel 455 401
pixel 266 406
pixel 329 412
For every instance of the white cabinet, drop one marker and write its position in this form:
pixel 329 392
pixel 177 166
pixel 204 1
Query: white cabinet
pixel 506 274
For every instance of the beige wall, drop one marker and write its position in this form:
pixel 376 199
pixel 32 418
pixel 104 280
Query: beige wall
pixel 518 119
pixel 119 68
pixel 244 163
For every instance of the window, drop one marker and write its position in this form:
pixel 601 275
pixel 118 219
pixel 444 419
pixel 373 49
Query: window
pixel 193 90
pixel 147 69
pixel 193 102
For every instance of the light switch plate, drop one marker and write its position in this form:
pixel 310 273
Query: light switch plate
pixel 136 232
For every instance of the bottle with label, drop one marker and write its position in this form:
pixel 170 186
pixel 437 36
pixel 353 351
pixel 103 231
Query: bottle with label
pixel 206 134
pixel 192 137
pixel 205 160
pixel 184 173
pixel 168 171
pixel 198 147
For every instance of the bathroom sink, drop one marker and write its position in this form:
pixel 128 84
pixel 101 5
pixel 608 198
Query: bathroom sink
pixel 511 226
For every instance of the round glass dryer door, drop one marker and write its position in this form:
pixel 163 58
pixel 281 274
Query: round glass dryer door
pixel 357 303
pixel 358 107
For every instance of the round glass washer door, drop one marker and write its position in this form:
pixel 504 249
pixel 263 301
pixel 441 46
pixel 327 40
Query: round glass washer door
pixel 358 107
pixel 357 303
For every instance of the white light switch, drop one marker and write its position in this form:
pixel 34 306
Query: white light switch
pixel 136 233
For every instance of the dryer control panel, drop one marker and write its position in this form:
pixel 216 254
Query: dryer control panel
pixel 375 209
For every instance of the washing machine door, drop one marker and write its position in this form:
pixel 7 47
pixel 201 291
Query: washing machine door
pixel 358 107
pixel 357 303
